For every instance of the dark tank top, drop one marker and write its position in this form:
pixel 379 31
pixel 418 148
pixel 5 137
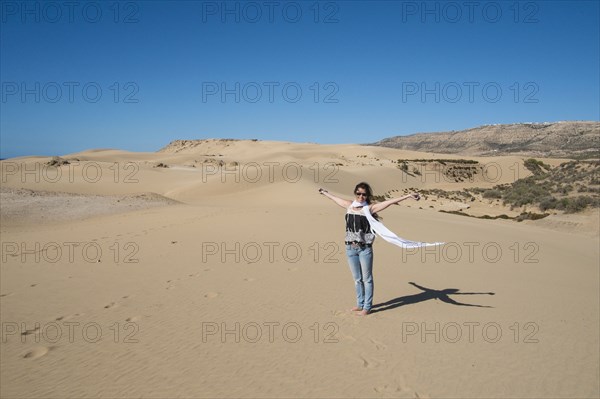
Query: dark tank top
pixel 358 227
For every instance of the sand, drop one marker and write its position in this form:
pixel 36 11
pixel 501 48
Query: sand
pixel 170 282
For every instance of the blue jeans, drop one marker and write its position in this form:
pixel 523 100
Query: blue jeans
pixel 361 266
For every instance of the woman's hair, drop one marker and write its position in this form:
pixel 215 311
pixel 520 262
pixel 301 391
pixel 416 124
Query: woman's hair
pixel 365 186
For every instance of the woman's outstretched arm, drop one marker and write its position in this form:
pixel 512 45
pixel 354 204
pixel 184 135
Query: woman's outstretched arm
pixel 380 206
pixel 344 203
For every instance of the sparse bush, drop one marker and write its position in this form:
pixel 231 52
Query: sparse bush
pixel 548 203
pixel 580 203
pixel 542 189
pixel 492 194
pixel 57 161
pixel 536 166
pixel 530 216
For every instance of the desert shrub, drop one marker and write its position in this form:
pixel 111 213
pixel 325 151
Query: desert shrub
pixel 536 166
pixel 492 194
pixel 548 203
pixel 580 203
pixel 526 191
pixel 475 190
pixel 530 216
pixel 566 189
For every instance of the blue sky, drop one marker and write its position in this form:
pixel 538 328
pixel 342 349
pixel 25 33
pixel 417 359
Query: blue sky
pixel 135 75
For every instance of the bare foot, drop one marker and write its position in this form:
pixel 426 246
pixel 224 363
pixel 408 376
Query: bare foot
pixel 363 313
pixel 356 309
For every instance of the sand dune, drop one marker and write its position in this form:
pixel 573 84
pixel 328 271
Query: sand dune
pixel 212 287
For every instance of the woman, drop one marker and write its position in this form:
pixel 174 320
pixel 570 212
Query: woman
pixel 359 240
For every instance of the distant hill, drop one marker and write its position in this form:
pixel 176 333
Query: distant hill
pixel 571 139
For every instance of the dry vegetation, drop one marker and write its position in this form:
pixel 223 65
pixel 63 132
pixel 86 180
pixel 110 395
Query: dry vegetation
pixel 570 187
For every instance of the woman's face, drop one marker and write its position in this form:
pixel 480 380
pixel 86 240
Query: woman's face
pixel 361 194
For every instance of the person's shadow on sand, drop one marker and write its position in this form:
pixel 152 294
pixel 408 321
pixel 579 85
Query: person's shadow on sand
pixel 426 295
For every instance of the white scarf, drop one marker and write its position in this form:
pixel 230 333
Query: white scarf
pixel 387 234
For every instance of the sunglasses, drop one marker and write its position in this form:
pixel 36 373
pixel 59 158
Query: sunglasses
pixel 363 194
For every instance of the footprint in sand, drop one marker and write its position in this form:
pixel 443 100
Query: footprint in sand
pixel 370 363
pixel 133 319
pixel 338 313
pixel 110 305
pixel 378 345
pixel 249 279
pixel 388 389
pixel 68 317
pixel 346 337
pixel 7 294
pixel 33 285
pixel 399 392
pixel 36 352
pixel 292 269
pixel 211 295
pixel 346 315
pixel 29 332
